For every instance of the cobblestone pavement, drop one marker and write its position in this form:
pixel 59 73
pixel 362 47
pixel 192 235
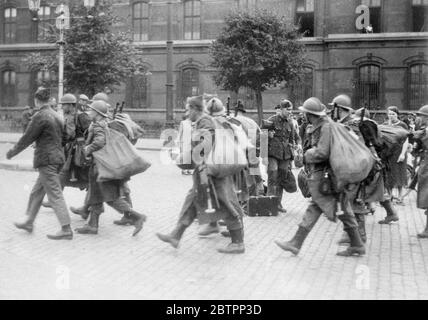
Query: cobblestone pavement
pixel 115 265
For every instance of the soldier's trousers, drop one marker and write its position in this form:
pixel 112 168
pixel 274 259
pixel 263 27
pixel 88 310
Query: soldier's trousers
pixel 274 166
pixel 188 216
pixel 48 182
pixel 313 212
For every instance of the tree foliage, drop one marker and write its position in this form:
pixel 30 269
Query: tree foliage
pixel 257 50
pixel 94 56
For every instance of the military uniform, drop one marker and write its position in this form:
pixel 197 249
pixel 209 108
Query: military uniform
pixel 280 152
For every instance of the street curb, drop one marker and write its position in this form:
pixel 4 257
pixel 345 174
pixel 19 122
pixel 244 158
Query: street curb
pixel 16 167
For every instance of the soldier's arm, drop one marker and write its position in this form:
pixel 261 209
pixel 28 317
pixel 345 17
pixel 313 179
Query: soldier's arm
pixel 98 141
pixel 34 129
pixel 321 152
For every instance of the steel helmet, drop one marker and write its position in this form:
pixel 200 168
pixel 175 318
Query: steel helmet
pixel 342 101
pixel 101 96
pixel 100 107
pixel 83 97
pixel 68 98
pixel 286 104
pixel 314 106
pixel 423 111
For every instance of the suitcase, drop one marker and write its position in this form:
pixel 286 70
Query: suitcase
pixel 263 206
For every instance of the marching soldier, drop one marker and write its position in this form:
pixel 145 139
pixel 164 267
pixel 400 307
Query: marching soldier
pixel 108 191
pixel 45 129
pixel 317 153
pixel 280 153
pixel 221 189
pixel 421 136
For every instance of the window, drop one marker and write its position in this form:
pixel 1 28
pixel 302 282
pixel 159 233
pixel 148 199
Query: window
pixel 189 83
pixel 247 4
pixel 192 20
pixel 9 25
pixel 8 88
pixel 420 15
pixel 375 14
pixel 305 17
pixel 45 20
pixel 418 86
pixel 368 86
pixel 138 91
pixel 140 21
pixel 302 90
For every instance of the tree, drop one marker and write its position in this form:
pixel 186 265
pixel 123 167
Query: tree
pixel 94 57
pixel 257 50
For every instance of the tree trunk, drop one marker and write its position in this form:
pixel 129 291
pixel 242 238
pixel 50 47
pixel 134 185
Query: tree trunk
pixel 259 103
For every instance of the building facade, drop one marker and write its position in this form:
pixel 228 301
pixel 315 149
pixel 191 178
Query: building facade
pixel 385 64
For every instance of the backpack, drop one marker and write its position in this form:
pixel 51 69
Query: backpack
pixel 391 139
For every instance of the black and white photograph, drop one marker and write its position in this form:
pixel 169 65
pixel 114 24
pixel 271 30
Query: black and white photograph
pixel 213 154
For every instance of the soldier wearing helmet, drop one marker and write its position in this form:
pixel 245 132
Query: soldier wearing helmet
pixel 83 102
pixel 421 137
pixel 317 154
pixel 108 191
pixel 282 137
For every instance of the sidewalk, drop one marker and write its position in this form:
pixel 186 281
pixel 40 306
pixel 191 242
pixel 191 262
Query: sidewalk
pixel 24 162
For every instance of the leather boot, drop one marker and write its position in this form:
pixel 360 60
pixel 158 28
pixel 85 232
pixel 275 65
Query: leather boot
pixel 344 239
pixel 391 214
pixel 92 226
pixel 83 211
pixel 126 220
pixel 225 233
pixel 27 226
pixel 128 199
pixel 237 244
pixel 279 195
pixel 64 234
pixel 294 244
pixel 424 234
pixel 174 237
pixel 139 220
pixel 357 245
pixel 46 204
pixel 209 229
pixel 361 219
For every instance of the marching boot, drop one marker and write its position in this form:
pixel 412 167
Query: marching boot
pixel 126 220
pixel 46 204
pixel 344 239
pixel 361 219
pixel 279 194
pixel 64 234
pixel 237 244
pixel 357 245
pixel 424 234
pixel 139 220
pixel 210 228
pixel 174 237
pixel 225 233
pixel 27 226
pixel 92 226
pixel 83 211
pixel 391 214
pixel 294 244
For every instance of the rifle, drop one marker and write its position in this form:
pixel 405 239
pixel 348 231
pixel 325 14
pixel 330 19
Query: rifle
pixel 228 106
pixel 121 107
pixel 115 110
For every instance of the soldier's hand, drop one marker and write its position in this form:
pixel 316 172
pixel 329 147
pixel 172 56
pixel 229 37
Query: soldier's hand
pixel 9 155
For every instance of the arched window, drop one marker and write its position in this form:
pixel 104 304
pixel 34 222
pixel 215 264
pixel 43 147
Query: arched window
pixel 138 91
pixel 45 20
pixel 302 90
pixel 8 88
pixel 368 86
pixel 9 25
pixel 140 21
pixel 189 83
pixel 192 19
pixel 418 85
